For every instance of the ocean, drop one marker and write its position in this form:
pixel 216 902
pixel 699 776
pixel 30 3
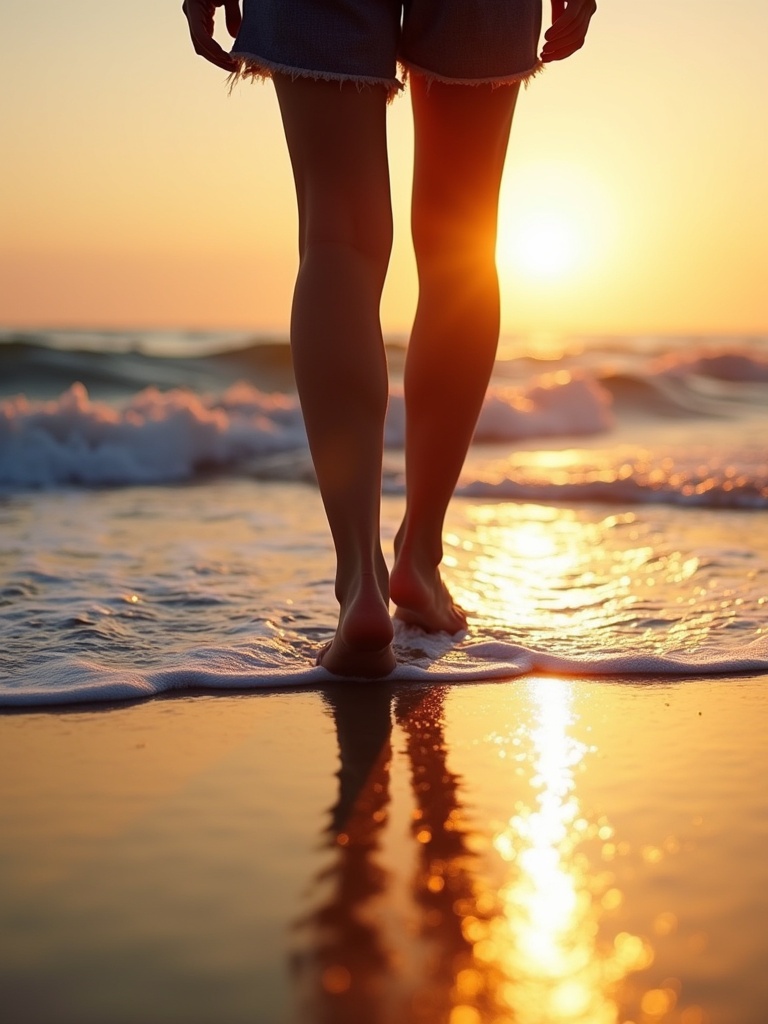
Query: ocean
pixel 162 528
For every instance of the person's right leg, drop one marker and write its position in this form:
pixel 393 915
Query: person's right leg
pixel 461 142
pixel 336 136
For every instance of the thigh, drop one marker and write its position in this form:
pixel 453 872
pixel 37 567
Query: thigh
pixel 336 135
pixel 461 137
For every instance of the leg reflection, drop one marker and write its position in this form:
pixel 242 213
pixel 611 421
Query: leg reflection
pixel 369 954
pixel 456 906
pixel 344 971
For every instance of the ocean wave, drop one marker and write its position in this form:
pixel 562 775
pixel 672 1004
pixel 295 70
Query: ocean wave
pixel 163 437
pixel 735 366
pixel 659 396
pixel 156 437
pixel 43 368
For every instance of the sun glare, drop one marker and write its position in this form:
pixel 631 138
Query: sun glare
pixel 556 224
pixel 543 246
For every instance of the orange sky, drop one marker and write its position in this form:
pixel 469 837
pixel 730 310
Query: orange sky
pixel 135 192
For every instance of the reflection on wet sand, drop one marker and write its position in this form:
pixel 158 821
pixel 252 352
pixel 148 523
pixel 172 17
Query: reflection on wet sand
pixel 343 965
pixel 546 938
pixel 455 906
pixel 496 928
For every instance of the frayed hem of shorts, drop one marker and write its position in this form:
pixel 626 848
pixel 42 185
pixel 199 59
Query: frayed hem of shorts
pixel 520 77
pixel 250 66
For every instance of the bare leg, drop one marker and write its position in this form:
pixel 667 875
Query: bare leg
pixel 461 142
pixel 337 141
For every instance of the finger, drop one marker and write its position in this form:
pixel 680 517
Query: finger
pixel 208 48
pixel 574 35
pixel 558 9
pixel 562 49
pixel 199 14
pixel 575 15
pixel 232 16
pixel 216 55
pixel 561 44
pixel 199 20
pixel 548 56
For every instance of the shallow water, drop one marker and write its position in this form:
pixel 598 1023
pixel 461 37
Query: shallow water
pixel 608 520
pixel 126 593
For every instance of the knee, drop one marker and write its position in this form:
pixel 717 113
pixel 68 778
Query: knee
pixel 454 246
pixel 365 232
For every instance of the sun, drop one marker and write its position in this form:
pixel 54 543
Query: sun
pixel 545 246
pixel 556 225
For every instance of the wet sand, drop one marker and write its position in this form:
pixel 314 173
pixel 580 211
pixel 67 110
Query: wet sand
pixel 559 851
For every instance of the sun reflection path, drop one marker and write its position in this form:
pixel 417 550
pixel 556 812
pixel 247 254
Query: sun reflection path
pixel 544 569
pixel 577 581
pixel 545 941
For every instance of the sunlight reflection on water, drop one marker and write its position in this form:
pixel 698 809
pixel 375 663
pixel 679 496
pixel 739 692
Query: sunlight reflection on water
pixel 552 576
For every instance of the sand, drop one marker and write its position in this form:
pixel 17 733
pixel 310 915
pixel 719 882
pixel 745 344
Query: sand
pixel 538 851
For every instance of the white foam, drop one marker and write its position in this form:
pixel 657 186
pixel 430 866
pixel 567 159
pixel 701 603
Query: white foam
pixel 558 404
pixel 170 436
pixel 156 437
pixel 437 658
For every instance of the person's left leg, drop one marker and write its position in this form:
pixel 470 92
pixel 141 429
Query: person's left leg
pixel 336 137
pixel 461 135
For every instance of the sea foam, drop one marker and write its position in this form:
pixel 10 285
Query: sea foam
pixel 436 658
pixel 169 436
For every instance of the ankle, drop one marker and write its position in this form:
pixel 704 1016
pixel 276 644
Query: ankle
pixel 419 553
pixel 371 575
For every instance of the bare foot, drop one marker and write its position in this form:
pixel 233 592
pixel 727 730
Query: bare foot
pixel 362 646
pixel 423 599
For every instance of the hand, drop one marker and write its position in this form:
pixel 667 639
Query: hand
pixel 199 14
pixel 570 21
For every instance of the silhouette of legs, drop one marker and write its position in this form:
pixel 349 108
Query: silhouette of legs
pixel 336 137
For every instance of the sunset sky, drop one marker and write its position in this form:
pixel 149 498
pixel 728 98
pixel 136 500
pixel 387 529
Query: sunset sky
pixel 134 192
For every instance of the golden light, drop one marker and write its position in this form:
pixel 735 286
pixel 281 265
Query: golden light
pixel 523 563
pixel 556 224
pixel 547 935
pixel 543 245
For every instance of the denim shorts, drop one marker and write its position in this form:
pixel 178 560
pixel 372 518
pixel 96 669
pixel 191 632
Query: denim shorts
pixel 364 41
